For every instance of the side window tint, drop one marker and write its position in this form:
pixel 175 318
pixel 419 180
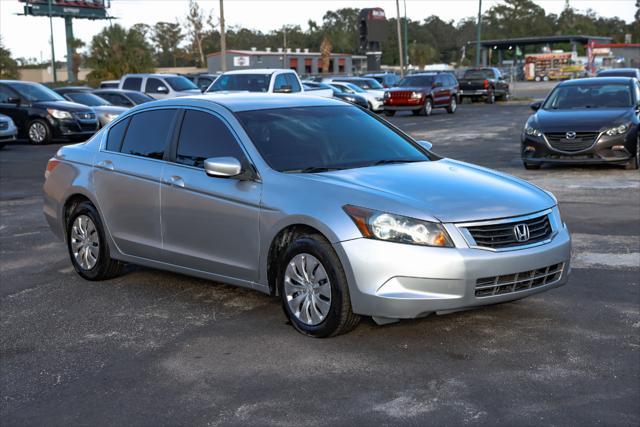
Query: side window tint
pixel 280 82
pixel 132 83
pixel 116 133
pixel 5 94
pixel 202 136
pixel 155 86
pixel 293 82
pixel 148 133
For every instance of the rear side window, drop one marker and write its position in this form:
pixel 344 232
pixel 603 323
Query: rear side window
pixel 132 83
pixel 202 136
pixel 116 133
pixel 148 133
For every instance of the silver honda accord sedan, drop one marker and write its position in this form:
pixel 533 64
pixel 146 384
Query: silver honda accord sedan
pixel 319 202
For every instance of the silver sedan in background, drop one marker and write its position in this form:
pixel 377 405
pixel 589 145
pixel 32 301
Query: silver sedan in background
pixel 323 204
pixel 8 130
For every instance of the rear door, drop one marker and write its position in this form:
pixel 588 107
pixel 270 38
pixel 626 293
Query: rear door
pixel 126 176
pixel 209 224
pixel 440 91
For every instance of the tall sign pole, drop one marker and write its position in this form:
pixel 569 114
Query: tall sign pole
pixel 478 33
pixel 53 49
pixel 223 41
pixel 406 36
pixel 400 50
pixel 68 26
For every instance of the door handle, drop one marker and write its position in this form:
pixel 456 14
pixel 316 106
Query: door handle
pixel 106 164
pixel 176 181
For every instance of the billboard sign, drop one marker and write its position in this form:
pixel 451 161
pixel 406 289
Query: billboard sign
pixel 94 9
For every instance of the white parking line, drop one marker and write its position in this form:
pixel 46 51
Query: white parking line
pixel 598 251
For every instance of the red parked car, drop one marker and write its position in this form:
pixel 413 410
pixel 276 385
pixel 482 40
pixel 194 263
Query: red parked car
pixel 421 93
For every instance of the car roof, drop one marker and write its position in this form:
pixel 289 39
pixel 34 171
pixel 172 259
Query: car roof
pixel 596 81
pixel 67 89
pixel 246 101
pixel 258 71
pixel 116 90
pixel 150 75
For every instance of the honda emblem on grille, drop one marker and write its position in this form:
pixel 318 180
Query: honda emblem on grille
pixel 521 232
pixel 570 135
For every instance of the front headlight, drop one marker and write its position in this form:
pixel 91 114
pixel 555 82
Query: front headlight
pixel 379 99
pixel 387 95
pixel 397 228
pixel 350 98
pixel 59 114
pixel 618 130
pixel 531 131
pixel 416 95
pixel 109 117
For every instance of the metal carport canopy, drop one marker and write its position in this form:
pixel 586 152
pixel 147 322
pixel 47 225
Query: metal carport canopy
pixel 522 41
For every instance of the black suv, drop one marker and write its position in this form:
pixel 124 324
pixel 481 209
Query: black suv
pixel 42 115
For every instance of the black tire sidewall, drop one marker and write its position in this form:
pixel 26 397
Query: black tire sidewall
pixel 98 270
pixel 47 138
pixel 389 113
pixel 324 253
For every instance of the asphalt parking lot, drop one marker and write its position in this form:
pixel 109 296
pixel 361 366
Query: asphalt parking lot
pixel 154 348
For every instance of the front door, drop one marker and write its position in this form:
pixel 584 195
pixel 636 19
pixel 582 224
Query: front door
pixel 127 175
pixel 209 224
pixel 18 113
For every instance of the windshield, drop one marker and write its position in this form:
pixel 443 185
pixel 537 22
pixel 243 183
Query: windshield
pixel 419 81
pixel 354 88
pixel 316 139
pixel 36 92
pixel 363 83
pixel 87 99
pixel 243 82
pixel 478 74
pixel 180 83
pixel 589 96
pixel 139 97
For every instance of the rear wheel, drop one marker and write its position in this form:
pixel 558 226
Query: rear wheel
pixel 38 132
pixel 313 288
pixel 88 248
pixel 453 105
pixel 389 113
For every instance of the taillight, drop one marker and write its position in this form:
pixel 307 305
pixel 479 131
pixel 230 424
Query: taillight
pixel 51 165
pixel 486 84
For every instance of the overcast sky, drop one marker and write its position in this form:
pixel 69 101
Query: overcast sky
pixel 28 36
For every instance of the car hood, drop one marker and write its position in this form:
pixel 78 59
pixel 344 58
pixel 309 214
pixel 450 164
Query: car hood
pixel 580 120
pixel 111 109
pixel 446 190
pixel 376 92
pixel 64 105
pixel 407 89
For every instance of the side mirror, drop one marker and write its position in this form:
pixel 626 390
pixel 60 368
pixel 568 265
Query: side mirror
pixel 426 145
pixel 14 100
pixel 223 167
pixel 283 89
pixel 535 106
pixel 161 89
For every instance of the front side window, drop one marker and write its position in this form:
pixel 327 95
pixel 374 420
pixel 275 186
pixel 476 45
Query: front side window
pixel 313 139
pixel 241 82
pixel 132 83
pixel 155 86
pixel 576 96
pixel 116 133
pixel 203 136
pixel 148 133
pixel 116 99
pixel 280 83
pixel 292 81
pixel 88 99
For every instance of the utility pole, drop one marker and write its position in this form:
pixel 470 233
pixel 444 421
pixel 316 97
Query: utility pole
pixel 478 33
pixel 223 41
pixel 284 49
pixel 399 38
pixel 406 36
pixel 53 50
pixel 68 26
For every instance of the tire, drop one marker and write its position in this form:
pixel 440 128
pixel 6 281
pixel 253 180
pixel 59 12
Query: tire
pixel 531 166
pixel 427 109
pixel 85 230
pixel 416 112
pixel 491 97
pixel 505 97
pixel 38 132
pixel 545 78
pixel 369 106
pixel 453 105
pixel 389 113
pixel 537 78
pixel 634 162
pixel 305 299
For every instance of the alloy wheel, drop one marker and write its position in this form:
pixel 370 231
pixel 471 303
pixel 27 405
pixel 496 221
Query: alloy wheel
pixel 85 243
pixel 453 105
pixel 307 289
pixel 37 132
pixel 428 108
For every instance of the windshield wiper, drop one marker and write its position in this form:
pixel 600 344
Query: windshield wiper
pixel 392 161
pixel 314 169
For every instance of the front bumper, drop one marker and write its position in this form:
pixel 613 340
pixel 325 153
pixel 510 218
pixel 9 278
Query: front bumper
pixel 74 129
pixel 399 281
pixel 402 107
pixel 605 149
pixel 8 134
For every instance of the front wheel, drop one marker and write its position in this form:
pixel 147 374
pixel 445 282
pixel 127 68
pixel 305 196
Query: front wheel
pixel 531 166
pixel 39 132
pixel 88 248
pixel 428 107
pixel 313 288
pixel 453 105
pixel 634 162
pixel 389 113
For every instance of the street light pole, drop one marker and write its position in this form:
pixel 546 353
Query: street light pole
pixel 478 33
pixel 399 38
pixel 53 50
pixel 223 41
pixel 406 37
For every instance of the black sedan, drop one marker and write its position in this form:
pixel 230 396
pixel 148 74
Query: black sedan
pixel 591 120
pixel 42 115
pixel 123 98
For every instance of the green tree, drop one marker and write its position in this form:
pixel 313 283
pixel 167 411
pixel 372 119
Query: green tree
pixel 8 65
pixel 166 37
pixel 116 51
pixel 196 28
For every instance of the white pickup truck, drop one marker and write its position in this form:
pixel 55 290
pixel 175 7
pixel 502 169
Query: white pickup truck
pixel 263 81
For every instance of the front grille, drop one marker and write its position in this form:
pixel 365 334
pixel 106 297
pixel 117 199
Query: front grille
pixel 499 236
pixel 4 125
pixel 85 116
pixel 402 94
pixel 582 141
pixel 508 283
